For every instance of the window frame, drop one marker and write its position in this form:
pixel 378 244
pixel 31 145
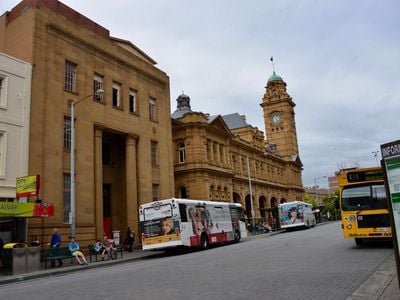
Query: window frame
pixel 132 108
pixel 154 154
pixel 70 76
pixel 153 109
pixel 117 87
pixel 3 90
pixel 98 81
pixel 67 133
pixel 181 153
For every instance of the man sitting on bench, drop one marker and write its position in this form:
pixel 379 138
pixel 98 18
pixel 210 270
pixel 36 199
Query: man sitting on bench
pixel 74 248
pixel 107 248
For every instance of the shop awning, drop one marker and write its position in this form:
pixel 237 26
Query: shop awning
pixel 15 209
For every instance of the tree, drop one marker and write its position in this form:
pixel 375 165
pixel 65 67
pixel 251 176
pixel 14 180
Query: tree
pixel 332 203
pixel 310 199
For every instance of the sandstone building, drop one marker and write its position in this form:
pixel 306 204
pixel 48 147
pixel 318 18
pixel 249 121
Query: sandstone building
pixel 123 153
pixel 214 154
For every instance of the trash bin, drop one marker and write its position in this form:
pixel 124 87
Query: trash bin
pixel 116 236
pixel 14 258
pixel 32 259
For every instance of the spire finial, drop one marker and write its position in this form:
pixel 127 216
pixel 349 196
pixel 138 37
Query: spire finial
pixel 273 66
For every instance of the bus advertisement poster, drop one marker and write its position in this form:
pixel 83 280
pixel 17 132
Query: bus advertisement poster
pixel 391 165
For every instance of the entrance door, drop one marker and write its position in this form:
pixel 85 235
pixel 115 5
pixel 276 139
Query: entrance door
pixel 107 209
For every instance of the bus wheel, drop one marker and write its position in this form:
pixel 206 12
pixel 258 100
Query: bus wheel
pixel 204 242
pixel 359 242
pixel 237 237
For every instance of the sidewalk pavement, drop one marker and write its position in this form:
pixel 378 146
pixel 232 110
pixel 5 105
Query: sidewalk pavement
pixel 127 256
pixel 382 285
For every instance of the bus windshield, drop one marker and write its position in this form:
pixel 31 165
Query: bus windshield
pixel 365 197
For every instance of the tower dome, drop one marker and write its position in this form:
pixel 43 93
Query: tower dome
pixel 275 77
pixel 183 106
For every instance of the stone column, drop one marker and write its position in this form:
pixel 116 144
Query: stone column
pixel 98 181
pixel 131 184
pixel 212 152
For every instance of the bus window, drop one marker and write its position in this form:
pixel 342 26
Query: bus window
pixel 182 211
pixel 241 213
pixel 363 197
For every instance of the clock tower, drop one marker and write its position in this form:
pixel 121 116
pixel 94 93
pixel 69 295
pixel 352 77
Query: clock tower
pixel 279 118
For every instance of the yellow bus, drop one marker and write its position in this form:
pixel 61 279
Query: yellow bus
pixel 363 204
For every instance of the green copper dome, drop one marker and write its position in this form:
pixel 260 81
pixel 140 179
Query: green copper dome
pixel 275 77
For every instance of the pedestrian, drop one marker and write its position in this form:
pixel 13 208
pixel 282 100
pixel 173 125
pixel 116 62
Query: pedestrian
pixel 75 251
pixel 55 243
pixel 129 239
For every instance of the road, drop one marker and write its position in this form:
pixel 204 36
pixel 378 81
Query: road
pixel 309 264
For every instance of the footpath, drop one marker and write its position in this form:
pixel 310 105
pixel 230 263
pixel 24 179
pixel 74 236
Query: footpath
pixel 382 285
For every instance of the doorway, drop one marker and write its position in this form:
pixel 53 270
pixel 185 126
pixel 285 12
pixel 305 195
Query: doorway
pixel 107 222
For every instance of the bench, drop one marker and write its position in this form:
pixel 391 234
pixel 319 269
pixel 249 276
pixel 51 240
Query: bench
pixel 56 253
pixel 114 252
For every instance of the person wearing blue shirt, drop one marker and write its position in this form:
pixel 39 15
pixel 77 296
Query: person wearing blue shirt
pixel 55 243
pixel 74 248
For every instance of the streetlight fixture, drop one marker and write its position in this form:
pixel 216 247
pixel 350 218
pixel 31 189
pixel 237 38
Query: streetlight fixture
pixel 72 163
pixel 315 186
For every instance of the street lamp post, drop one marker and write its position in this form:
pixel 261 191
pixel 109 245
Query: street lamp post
pixel 315 186
pixel 72 157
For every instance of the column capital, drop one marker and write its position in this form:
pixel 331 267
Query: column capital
pixel 131 140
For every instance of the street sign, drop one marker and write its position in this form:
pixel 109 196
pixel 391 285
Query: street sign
pixel 391 165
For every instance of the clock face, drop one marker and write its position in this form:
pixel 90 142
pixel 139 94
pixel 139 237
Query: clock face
pixel 276 119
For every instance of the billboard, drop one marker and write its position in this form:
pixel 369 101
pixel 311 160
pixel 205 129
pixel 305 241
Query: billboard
pixel 28 186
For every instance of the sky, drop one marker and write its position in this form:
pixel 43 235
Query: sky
pixel 340 60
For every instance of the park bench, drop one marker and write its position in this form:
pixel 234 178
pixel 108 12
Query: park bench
pixel 56 253
pixel 114 252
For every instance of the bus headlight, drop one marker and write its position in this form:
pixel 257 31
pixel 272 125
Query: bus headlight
pixel 348 226
pixel 352 218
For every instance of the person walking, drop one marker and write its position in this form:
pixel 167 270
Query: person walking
pixel 55 243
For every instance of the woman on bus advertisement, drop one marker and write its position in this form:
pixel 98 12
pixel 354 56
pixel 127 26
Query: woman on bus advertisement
pixel 295 216
pixel 167 226
pixel 201 220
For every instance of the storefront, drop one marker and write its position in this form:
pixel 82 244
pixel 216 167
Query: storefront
pixel 13 219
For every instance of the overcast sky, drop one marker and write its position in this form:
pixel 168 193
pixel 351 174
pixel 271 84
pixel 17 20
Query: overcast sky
pixel 340 60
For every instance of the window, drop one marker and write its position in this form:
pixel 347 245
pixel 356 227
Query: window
pixel 182 153
pixel 70 76
pixel 154 153
pixel 152 109
pixel 132 101
pixel 3 149
pixel 66 197
pixel 97 85
pixel 154 192
pixel 116 94
pixel 3 91
pixel 67 133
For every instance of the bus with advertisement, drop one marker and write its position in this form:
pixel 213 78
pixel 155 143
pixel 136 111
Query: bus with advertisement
pixel 191 223
pixel 296 214
pixel 363 205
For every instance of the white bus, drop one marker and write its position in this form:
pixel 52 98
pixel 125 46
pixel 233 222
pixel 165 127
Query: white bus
pixel 296 214
pixel 192 223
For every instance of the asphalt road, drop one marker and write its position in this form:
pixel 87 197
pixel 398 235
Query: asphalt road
pixel 308 264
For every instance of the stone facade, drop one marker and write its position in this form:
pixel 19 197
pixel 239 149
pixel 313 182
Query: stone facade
pixel 122 138
pixel 15 99
pixel 213 155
